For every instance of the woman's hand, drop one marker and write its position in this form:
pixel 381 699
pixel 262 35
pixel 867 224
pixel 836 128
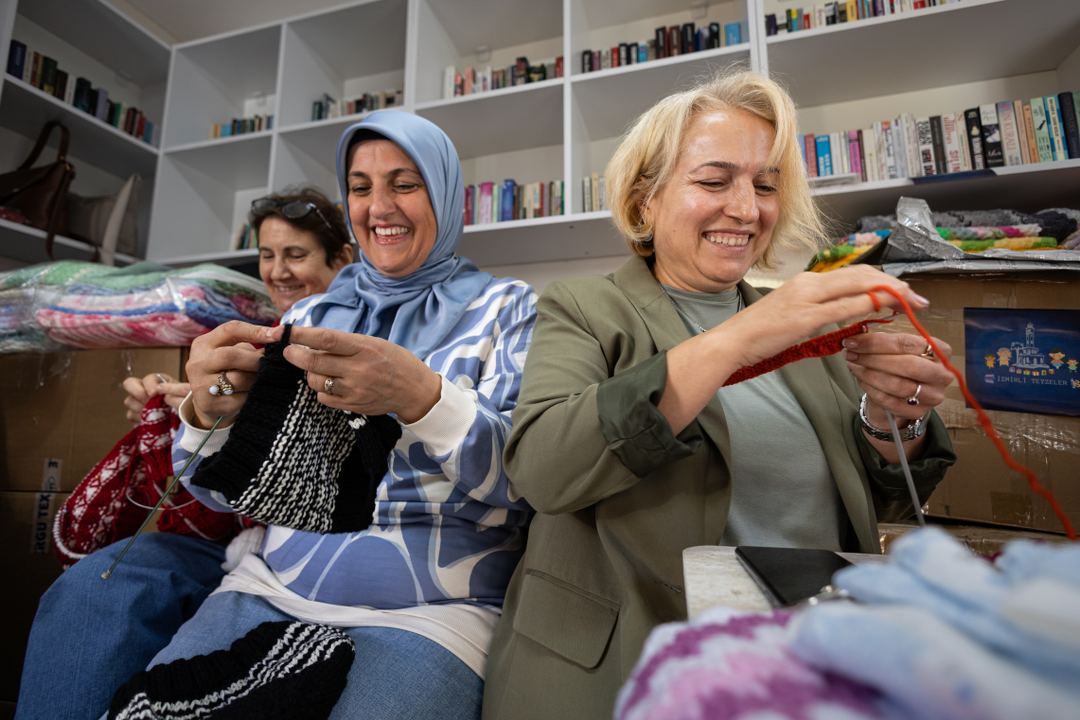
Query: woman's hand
pixel 228 348
pixel 371 376
pixel 808 302
pixel 893 368
pixel 141 390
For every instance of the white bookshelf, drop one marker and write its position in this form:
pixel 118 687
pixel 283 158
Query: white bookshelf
pixel 930 61
pixel 90 39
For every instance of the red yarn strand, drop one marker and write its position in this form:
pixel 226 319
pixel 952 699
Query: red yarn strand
pixel 984 420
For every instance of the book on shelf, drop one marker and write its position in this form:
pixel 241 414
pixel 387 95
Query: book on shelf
pixel 1057 138
pixel 973 127
pixel 472 81
pixel 1010 136
pixel 925 139
pixel 937 142
pixel 991 135
pixel 1041 124
pixel 1021 132
pixel 811 155
pixel 1069 130
pixel 952 139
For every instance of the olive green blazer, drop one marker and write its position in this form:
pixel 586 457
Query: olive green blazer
pixel 618 496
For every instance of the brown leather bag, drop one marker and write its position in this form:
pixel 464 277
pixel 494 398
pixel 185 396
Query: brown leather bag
pixel 40 193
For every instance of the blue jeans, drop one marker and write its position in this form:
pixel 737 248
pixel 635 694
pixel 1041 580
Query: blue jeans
pixel 395 675
pixel 90 635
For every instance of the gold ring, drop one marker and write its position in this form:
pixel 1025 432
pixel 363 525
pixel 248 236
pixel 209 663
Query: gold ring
pixel 328 386
pixel 223 387
pixel 929 354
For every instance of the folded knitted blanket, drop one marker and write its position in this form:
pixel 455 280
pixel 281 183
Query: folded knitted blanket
pixel 965 638
pixel 88 305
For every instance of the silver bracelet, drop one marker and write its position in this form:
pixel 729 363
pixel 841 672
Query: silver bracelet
pixel 912 431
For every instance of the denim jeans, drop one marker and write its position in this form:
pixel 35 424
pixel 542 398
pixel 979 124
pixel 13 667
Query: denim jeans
pixel 395 675
pixel 90 635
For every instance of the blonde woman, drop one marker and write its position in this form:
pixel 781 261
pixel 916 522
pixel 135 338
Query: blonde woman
pixel 654 456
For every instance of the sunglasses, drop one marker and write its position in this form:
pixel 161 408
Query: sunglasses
pixel 292 210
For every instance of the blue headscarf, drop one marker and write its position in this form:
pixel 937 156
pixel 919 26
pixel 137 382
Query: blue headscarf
pixel 419 310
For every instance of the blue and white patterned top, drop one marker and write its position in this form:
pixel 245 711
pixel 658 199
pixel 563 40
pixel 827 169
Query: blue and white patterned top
pixel 448 526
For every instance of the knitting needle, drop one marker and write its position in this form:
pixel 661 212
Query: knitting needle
pixel 108 573
pixel 907 471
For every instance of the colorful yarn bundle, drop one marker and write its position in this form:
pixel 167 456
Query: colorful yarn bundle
pixel 987 232
pixel 1018 244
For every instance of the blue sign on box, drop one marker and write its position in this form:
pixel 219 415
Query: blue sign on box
pixel 1024 360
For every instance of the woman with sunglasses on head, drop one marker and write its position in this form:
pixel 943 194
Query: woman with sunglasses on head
pixel 414 331
pixel 303 244
pixel 119 625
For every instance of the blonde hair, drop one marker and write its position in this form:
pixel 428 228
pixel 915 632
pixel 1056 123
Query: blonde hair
pixel 648 152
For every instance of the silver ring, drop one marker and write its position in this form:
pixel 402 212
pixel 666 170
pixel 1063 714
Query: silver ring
pixel 223 387
pixel 328 386
pixel 914 399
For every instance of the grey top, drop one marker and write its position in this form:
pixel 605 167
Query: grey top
pixel 782 491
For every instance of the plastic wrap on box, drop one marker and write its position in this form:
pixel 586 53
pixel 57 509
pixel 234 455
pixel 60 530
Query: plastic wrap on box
pixel 86 305
pixel 916 246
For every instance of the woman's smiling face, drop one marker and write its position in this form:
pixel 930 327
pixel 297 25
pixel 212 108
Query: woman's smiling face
pixel 292 262
pixel 389 208
pixel 715 217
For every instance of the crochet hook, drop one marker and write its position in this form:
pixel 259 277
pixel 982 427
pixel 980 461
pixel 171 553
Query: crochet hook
pixel 108 573
pixel 907 471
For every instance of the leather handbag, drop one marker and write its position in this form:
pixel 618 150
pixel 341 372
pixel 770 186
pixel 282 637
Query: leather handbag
pixel 40 193
pixel 108 222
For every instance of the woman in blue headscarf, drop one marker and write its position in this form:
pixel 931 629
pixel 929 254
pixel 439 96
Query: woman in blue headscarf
pixel 418 332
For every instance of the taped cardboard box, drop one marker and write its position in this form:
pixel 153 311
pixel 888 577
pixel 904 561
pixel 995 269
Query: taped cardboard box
pixel 61 413
pixel 26 554
pixel 980 487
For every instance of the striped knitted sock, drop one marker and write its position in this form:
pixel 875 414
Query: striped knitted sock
pixel 286 670
pixel 291 461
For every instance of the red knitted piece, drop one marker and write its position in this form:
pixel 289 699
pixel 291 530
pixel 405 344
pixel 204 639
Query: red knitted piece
pixel 818 347
pixel 99 511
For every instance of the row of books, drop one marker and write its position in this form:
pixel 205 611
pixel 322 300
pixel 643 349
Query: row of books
pixel 472 80
pixel 668 42
pixel 833 13
pixel 490 203
pixel 242 126
pixel 592 193
pixel 328 107
pixel 1011 132
pixel 246 237
pixel 43 73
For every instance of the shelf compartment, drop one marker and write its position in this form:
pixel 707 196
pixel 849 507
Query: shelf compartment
pixel 231 258
pixel 27 245
pixel 508 28
pixel 202 96
pixel 1028 188
pixel 610 100
pixel 516 118
pixel 25 109
pixel 900 53
pixel 306 156
pixel 564 237
pixel 203 193
pixel 323 54
pixel 105 34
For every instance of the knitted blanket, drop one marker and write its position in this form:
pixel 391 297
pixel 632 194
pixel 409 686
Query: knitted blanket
pixel 1062 224
pixel 87 305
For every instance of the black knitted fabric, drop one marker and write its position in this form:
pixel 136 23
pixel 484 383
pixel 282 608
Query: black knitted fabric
pixel 291 461
pixel 1057 223
pixel 280 670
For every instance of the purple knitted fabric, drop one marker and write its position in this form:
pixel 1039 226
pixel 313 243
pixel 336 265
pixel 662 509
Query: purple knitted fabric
pixel 728 664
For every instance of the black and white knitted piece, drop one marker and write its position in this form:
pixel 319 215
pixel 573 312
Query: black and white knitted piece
pixel 283 670
pixel 291 461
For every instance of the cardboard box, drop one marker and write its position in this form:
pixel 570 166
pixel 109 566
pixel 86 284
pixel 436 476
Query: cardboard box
pixel 61 413
pixel 26 554
pixel 980 487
